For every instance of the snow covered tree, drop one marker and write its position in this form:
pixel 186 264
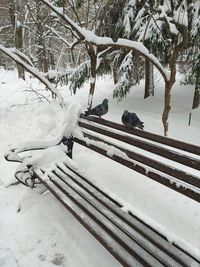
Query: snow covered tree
pixel 136 16
pixel 16 17
pixel 117 21
pixel 163 26
pixel 110 23
pixel 41 17
pixel 193 52
pixel 96 46
pixel 174 22
pixel 84 14
pixel 39 41
pixel 5 31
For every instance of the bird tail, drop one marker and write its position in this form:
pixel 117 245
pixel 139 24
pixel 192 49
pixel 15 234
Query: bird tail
pixel 88 112
pixel 141 125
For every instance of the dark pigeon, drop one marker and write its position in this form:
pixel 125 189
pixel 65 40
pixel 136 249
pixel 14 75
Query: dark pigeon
pixel 131 120
pixel 99 110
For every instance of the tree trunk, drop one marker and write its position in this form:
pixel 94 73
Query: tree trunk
pixel 52 60
pixel 168 84
pixel 42 55
pixel 167 106
pixel 19 46
pixel 168 87
pixel 149 79
pixel 196 98
pixel 115 75
pixel 93 58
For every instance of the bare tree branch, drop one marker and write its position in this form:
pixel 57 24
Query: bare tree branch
pixel 34 72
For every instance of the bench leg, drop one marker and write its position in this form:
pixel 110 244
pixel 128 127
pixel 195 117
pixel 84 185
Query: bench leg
pixel 69 142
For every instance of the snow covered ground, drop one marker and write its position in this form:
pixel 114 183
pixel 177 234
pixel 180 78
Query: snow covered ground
pixel 43 233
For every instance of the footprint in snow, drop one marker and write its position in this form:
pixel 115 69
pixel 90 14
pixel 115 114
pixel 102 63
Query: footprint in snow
pixel 42 257
pixel 58 259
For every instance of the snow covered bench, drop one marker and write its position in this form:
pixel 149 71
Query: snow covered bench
pixel 129 239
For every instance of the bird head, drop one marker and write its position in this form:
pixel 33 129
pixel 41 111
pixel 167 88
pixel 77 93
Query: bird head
pixel 105 101
pixel 126 112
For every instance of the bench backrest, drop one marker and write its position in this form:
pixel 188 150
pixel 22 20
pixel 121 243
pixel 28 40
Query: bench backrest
pixel 116 135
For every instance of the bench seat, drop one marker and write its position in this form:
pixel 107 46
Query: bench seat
pixel 130 240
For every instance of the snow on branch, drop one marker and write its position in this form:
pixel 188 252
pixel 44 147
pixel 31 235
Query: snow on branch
pixel 87 36
pixel 4 28
pixel 33 71
pixel 76 30
pixel 21 55
pixel 79 76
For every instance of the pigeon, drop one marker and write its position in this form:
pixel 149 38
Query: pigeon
pixel 99 110
pixel 131 120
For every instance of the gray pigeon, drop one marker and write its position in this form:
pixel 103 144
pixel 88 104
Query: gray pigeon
pixel 131 120
pixel 99 110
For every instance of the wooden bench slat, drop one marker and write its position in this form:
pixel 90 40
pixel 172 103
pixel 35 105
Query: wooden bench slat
pixel 140 244
pixel 172 171
pixel 157 246
pixel 147 135
pixel 150 234
pixel 164 152
pixel 88 205
pixel 100 234
pixel 97 224
pixel 159 177
pixel 115 215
